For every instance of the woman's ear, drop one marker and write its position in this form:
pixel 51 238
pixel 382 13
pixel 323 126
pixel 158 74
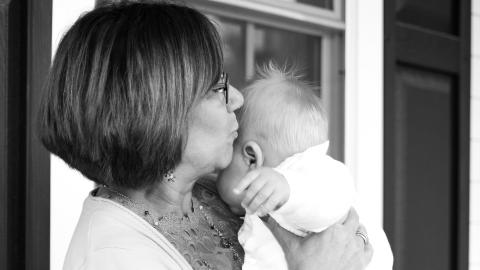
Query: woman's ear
pixel 252 154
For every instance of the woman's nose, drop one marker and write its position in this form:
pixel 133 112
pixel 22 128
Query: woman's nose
pixel 235 99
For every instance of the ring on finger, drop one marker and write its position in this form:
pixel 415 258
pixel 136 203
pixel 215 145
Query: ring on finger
pixel 363 236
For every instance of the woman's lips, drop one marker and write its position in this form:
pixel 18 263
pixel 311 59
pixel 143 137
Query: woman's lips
pixel 235 131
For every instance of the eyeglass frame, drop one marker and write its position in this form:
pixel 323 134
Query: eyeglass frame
pixel 222 86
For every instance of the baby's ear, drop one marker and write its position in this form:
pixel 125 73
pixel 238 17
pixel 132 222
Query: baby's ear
pixel 252 154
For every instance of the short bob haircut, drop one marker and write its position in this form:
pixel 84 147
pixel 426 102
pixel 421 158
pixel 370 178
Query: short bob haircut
pixel 122 83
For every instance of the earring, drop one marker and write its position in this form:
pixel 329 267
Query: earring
pixel 169 176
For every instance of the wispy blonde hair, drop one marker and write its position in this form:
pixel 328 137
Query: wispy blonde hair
pixel 283 110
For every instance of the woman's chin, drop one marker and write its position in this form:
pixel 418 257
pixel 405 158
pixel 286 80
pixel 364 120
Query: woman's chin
pixel 227 158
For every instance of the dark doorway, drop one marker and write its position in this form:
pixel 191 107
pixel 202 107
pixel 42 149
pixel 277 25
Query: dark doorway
pixel 427 77
pixel 25 46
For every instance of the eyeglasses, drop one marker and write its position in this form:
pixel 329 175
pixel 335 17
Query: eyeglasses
pixel 222 86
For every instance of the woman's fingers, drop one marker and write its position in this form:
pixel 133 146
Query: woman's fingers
pixel 362 234
pixel 368 253
pixel 361 258
pixel 352 221
pixel 360 240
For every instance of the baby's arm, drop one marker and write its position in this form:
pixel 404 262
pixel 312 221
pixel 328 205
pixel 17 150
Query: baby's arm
pixel 265 190
pixel 307 197
pixel 321 194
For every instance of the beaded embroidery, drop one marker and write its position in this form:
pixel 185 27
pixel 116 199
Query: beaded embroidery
pixel 207 238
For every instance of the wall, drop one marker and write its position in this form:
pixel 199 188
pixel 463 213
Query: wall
pixel 68 187
pixel 475 141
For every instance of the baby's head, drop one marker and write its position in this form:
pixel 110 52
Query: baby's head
pixel 281 116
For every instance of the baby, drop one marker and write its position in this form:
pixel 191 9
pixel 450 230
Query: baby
pixel 280 167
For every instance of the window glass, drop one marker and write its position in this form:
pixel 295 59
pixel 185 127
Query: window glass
pixel 233 38
pixel 290 48
pixel 267 44
pixel 326 4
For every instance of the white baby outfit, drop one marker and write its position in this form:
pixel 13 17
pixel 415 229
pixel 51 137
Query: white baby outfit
pixel 321 193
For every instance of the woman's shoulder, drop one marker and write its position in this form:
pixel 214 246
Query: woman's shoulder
pixel 105 223
pixel 106 230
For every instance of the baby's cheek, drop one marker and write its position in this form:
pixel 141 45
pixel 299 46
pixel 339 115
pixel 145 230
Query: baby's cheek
pixel 225 189
pixel 239 211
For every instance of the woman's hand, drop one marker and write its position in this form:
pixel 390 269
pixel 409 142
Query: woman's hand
pixel 336 248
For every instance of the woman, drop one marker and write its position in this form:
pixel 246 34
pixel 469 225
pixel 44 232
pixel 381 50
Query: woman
pixel 136 100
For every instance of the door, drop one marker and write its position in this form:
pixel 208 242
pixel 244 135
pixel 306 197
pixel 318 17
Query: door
pixel 25 45
pixel 427 54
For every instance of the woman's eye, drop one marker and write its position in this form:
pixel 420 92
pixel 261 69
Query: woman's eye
pixel 218 90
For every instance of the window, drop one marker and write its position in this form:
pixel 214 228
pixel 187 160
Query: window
pixel 247 46
pixel 307 34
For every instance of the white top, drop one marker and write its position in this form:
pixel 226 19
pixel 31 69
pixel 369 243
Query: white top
pixel 108 236
pixel 321 194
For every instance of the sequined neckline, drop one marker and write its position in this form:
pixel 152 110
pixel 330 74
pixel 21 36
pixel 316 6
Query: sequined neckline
pixel 194 235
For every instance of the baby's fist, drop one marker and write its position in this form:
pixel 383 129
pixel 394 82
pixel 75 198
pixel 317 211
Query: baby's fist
pixel 265 189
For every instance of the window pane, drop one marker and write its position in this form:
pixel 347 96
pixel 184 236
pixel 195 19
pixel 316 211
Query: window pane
pixel 326 4
pixel 233 38
pixel 285 47
pixel 439 15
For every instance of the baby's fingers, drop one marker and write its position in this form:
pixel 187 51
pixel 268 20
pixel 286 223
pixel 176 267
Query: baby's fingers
pixel 271 204
pixel 245 182
pixel 257 205
pixel 254 188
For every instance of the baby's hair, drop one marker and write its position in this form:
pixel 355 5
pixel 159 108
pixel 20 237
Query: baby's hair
pixel 283 111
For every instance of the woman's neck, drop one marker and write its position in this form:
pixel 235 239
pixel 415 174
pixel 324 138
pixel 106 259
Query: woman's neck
pixel 169 197
pixel 164 196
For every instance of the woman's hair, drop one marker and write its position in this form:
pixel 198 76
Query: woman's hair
pixel 121 86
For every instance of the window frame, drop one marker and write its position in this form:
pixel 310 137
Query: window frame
pixel 280 14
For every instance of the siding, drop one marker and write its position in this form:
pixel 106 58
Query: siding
pixel 475 141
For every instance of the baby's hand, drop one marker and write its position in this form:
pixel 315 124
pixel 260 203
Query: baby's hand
pixel 265 190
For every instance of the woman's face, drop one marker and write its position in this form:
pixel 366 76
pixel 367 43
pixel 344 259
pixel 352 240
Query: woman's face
pixel 212 130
